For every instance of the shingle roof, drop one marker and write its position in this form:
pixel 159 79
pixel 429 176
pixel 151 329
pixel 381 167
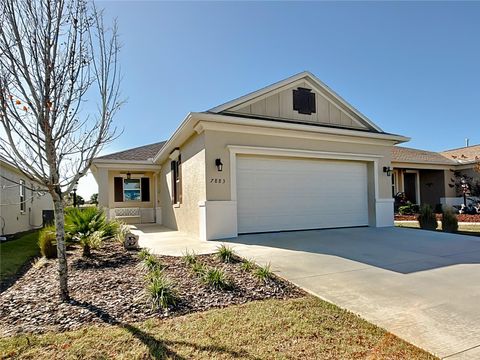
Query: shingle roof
pixel 404 154
pixel 141 153
pixel 464 154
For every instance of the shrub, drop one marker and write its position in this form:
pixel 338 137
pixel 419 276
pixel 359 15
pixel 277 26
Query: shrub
pixel 247 265
pixel 449 221
pixel 142 254
pixel 225 253
pixel 264 273
pixel 408 209
pixel 198 268
pixel 151 263
pixel 161 292
pixel 217 279
pixel 89 227
pixel 427 219
pixel 47 242
pixel 189 258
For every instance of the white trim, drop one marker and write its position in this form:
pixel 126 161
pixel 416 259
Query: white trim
pixel 191 124
pixel 384 212
pixel 174 154
pixel 305 75
pixel 253 150
pixel 126 165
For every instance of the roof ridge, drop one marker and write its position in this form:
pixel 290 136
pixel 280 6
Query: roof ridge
pixel 462 147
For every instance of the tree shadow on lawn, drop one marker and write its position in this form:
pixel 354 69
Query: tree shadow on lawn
pixel 159 349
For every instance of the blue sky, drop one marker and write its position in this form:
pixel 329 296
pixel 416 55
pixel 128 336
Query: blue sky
pixel 412 68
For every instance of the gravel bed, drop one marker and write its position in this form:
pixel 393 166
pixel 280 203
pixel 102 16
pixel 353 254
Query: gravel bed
pixel 109 289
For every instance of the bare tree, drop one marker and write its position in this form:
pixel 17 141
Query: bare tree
pixel 59 91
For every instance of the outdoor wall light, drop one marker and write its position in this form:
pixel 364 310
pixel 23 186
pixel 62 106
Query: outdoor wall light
pixel 219 164
pixel 387 169
pixel 129 175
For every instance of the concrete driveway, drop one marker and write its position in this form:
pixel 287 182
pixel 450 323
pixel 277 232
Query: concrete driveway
pixel 422 286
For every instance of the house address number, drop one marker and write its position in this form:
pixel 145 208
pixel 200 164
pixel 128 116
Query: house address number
pixel 217 181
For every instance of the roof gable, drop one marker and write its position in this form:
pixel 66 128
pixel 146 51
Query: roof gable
pixel 276 102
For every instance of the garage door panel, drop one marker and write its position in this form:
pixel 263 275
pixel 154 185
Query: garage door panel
pixel 287 194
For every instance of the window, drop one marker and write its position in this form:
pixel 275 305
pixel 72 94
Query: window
pixel 304 101
pixel 176 181
pixel 132 190
pixel 22 196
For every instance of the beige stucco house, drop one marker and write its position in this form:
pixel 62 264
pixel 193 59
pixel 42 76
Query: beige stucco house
pixel 426 177
pixel 21 204
pixel 293 155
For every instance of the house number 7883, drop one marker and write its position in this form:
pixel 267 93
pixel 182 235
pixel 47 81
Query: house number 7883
pixel 217 181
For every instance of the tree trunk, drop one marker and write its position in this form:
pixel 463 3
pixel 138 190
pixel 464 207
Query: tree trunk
pixel 61 247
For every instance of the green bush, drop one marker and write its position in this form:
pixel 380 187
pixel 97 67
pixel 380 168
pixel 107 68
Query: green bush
pixel 142 254
pixel 89 227
pixel 408 209
pixel 426 218
pixel 151 262
pixel 47 242
pixel 264 273
pixel 198 268
pixel 189 258
pixel 449 221
pixel 217 279
pixel 247 265
pixel 225 253
pixel 161 292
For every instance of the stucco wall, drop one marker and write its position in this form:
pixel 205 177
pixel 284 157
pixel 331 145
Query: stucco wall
pixel 217 142
pixel 185 216
pixel 12 220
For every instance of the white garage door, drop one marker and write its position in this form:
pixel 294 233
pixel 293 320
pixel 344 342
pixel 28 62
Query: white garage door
pixel 275 194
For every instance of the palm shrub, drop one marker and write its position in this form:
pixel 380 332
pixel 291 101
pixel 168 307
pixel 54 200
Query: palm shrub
pixel 217 279
pixel 47 242
pixel 89 227
pixel 449 221
pixel 426 218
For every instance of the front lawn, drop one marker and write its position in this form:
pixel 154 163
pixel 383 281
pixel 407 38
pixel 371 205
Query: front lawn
pixel 303 328
pixel 15 253
pixel 463 229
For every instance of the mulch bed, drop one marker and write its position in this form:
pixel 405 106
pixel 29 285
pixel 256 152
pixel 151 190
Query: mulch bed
pixel 108 288
pixel 460 217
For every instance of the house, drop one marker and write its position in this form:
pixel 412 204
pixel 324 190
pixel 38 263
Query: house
pixel 22 204
pixel 293 155
pixel 428 177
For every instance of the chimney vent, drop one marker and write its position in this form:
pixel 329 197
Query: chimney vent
pixel 467 141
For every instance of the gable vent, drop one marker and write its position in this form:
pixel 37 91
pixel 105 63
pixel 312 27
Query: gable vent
pixel 304 101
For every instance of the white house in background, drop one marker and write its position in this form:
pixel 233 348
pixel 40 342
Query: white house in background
pixel 293 155
pixel 21 206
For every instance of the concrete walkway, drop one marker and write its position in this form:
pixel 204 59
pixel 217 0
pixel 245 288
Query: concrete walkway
pixel 422 286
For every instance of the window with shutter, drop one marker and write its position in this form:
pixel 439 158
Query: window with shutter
pixel 176 174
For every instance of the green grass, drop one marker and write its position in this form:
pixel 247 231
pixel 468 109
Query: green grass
pixel 464 229
pixel 15 253
pixel 305 328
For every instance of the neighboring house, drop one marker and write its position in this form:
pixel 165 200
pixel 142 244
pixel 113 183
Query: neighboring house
pixel 426 177
pixel 291 156
pixel 21 204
